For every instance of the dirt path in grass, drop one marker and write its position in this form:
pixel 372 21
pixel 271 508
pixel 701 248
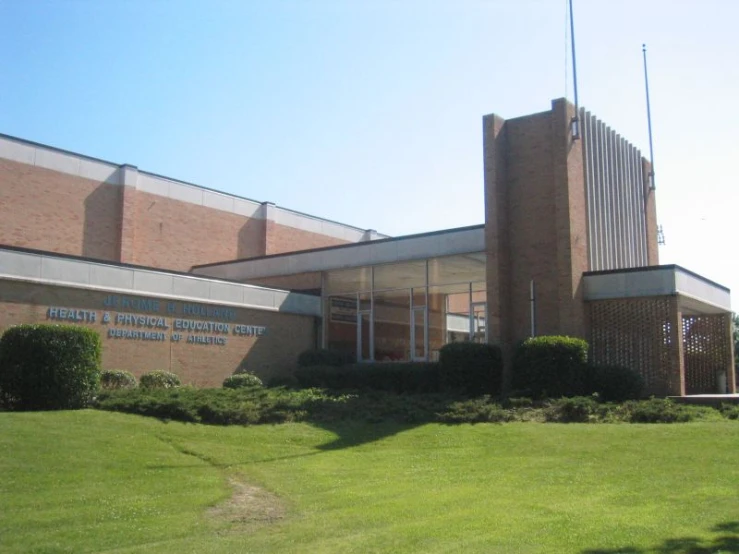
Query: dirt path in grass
pixel 248 506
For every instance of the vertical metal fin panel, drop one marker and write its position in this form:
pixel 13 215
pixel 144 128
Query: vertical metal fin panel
pixel 615 193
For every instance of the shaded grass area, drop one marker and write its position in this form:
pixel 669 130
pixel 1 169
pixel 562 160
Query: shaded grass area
pixel 92 481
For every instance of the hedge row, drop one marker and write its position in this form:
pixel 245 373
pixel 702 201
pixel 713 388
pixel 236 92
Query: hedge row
pixel 543 367
pixel 256 405
pixel 466 368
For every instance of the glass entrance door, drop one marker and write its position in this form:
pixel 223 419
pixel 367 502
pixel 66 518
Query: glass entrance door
pixel 364 336
pixel 478 322
pixel 419 338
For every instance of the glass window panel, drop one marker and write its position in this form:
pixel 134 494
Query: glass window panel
pixel 400 276
pixel 364 335
pixel 448 316
pixel 348 280
pixel 341 327
pixel 365 301
pixel 479 322
pixel 419 296
pixel 419 333
pixel 392 325
pixel 457 269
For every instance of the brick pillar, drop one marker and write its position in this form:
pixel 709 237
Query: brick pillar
pixel 129 175
pixel 675 382
pixel 571 220
pixel 498 268
pixel 730 369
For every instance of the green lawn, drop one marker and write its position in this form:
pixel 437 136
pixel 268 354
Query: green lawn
pixel 92 481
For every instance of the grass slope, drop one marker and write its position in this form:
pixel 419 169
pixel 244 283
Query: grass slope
pixel 103 482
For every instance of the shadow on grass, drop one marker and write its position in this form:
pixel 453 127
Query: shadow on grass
pixel 726 541
pixel 352 434
pixel 345 415
pixel 348 435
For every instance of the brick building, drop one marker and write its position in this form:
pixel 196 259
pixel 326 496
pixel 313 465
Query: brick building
pixel 180 277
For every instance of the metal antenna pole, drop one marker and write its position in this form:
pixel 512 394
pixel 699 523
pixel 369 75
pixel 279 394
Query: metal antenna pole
pixel 575 120
pixel 649 119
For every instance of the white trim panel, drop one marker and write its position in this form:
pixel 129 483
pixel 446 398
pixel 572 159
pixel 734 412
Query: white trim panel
pixel 52 270
pixel 448 243
pixel 666 281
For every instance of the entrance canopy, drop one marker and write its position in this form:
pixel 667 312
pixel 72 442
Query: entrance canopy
pixel 696 294
pixel 667 323
pixel 463 240
pixel 387 300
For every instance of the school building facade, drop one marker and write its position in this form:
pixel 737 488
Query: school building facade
pixel 199 282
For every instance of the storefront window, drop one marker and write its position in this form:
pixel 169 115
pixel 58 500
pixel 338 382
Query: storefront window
pixel 389 313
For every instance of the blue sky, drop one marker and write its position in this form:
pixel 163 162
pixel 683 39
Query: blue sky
pixel 369 113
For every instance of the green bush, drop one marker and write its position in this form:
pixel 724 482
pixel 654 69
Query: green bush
pixel 159 379
pixel 471 368
pixel 476 410
pixel 398 377
pixel 615 383
pixel 550 366
pixel 114 379
pixel 323 357
pixel 241 380
pixel 658 410
pixel 577 409
pixel 49 367
pixel 730 411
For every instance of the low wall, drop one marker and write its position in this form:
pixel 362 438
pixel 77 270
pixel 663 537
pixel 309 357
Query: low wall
pixel 203 343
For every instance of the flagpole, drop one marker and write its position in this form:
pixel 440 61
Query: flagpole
pixel 649 119
pixel 575 120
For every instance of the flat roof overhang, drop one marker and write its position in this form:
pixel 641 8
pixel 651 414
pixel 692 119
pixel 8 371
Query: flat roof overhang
pixel 49 268
pixel 463 240
pixel 696 294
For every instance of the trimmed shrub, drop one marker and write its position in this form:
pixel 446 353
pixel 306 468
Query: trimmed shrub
pixel 615 383
pixel 578 409
pixel 476 410
pixel 550 366
pixel 241 380
pixel 657 410
pixel 730 411
pixel 398 377
pixel 471 368
pixel 115 379
pixel 159 379
pixel 49 367
pixel 324 357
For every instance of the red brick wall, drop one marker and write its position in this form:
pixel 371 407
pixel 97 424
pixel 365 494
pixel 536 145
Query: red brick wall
pixel 535 225
pixel 532 226
pixel 571 220
pixel 176 235
pixel 273 354
pixel 48 210
pixel 281 238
